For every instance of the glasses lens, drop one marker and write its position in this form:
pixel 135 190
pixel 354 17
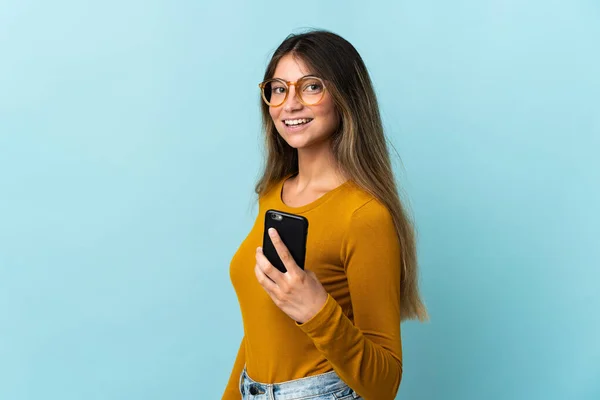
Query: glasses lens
pixel 273 92
pixel 311 90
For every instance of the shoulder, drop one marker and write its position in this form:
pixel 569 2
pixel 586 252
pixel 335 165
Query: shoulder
pixel 364 207
pixel 369 230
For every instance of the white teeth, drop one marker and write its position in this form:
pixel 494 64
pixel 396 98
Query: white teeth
pixel 297 121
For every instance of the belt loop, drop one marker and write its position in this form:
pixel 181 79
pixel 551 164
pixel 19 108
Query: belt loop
pixel 270 393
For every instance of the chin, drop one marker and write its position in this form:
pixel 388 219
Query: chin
pixel 305 143
pixel 303 139
pixel 298 143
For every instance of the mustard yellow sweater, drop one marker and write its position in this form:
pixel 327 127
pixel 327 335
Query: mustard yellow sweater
pixel 353 249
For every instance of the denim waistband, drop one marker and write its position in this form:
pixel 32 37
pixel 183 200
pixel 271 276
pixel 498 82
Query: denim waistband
pixel 316 385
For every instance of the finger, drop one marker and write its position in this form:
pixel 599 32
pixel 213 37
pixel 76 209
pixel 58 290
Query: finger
pixel 283 252
pixel 267 268
pixel 264 280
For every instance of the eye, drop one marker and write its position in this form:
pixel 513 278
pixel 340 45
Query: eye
pixel 278 90
pixel 312 86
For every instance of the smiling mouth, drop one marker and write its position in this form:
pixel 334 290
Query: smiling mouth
pixel 297 122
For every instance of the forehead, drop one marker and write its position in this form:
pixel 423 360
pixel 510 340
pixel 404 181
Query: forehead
pixel 291 68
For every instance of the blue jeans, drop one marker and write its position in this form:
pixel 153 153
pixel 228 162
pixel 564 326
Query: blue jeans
pixel 327 386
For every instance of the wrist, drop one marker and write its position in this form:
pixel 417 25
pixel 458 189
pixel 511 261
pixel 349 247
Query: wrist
pixel 317 308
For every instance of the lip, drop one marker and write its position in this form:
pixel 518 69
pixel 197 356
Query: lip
pixel 293 129
pixel 284 119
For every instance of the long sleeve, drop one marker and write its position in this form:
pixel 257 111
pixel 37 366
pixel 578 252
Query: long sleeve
pixel 232 391
pixel 366 354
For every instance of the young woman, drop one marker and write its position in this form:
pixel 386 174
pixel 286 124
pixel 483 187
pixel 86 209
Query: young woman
pixel 332 330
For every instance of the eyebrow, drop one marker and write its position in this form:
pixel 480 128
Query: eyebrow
pixel 275 77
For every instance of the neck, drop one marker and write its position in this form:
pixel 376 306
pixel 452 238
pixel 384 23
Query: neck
pixel 317 167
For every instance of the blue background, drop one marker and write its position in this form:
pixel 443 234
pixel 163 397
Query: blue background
pixel 130 143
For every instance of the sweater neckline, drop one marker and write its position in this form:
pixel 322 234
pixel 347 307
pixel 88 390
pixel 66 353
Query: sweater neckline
pixel 309 206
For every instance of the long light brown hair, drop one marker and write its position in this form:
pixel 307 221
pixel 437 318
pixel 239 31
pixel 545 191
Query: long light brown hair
pixel 359 145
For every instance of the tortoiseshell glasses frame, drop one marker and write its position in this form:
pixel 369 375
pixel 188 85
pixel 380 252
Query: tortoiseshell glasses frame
pixel 312 90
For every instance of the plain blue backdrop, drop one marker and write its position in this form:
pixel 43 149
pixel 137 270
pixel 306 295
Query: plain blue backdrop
pixel 130 144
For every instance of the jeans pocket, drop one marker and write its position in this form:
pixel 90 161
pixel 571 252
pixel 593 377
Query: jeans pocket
pixel 346 394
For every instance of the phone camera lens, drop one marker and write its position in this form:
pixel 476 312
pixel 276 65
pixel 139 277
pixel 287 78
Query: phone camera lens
pixel 276 217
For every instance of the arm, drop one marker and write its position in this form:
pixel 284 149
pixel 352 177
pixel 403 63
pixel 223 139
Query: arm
pixel 367 355
pixel 232 391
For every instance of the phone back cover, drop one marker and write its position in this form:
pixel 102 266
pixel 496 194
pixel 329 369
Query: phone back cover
pixel 293 230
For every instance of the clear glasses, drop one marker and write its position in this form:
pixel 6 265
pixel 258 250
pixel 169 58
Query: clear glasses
pixel 310 90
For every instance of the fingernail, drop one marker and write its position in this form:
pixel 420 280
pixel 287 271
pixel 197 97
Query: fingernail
pixel 272 231
pixel 259 249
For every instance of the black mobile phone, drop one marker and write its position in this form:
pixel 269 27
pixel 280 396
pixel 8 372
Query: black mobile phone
pixel 293 230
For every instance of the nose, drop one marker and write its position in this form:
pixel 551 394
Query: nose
pixel 292 102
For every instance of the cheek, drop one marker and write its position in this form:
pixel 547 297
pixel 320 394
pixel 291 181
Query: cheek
pixel 328 117
pixel 274 114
